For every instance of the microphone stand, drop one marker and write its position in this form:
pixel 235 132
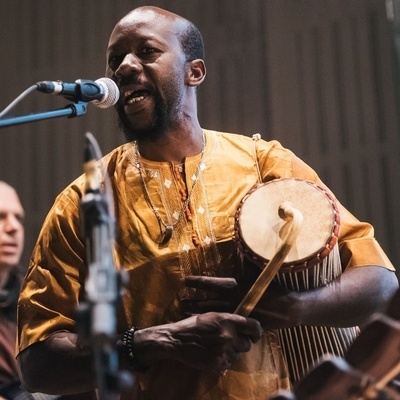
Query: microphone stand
pixel 96 318
pixel 96 321
pixel 70 111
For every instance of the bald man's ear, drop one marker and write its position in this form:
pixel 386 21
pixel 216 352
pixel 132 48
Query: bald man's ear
pixel 196 72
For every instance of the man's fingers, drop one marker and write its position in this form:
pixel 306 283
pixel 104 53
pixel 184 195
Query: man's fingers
pixel 211 283
pixel 250 328
pixel 243 344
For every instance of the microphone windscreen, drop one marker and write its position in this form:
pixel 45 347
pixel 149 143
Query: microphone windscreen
pixel 111 93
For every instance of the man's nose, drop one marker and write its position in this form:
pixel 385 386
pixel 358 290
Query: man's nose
pixel 12 223
pixel 129 64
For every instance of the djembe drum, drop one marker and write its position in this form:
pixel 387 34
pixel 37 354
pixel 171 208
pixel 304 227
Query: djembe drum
pixel 309 259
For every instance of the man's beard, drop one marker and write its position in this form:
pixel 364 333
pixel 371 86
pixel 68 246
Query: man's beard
pixel 151 132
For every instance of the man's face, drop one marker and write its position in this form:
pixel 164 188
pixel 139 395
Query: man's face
pixel 11 227
pixel 146 60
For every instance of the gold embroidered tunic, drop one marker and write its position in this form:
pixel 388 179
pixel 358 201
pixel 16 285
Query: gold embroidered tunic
pixel 201 243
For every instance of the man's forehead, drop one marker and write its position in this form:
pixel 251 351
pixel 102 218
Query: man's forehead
pixel 130 29
pixel 7 190
pixel 150 18
pixel 9 197
pixel 149 14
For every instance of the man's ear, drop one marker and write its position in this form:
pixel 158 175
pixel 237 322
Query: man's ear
pixel 196 72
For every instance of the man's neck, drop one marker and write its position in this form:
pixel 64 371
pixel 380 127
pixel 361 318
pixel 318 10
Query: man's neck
pixel 174 146
pixel 4 275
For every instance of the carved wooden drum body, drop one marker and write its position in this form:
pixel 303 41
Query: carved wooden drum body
pixel 313 260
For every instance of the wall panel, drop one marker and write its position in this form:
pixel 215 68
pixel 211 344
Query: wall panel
pixel 316 75
pixel 333 101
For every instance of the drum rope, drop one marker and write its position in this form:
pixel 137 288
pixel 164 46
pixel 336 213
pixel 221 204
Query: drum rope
pixel 314 341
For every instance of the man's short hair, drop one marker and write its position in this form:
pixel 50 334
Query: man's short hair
pixel 192 42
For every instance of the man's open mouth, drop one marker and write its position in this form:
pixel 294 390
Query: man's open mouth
pixel 135 96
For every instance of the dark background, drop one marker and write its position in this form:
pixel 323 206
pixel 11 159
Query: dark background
pixel 319 76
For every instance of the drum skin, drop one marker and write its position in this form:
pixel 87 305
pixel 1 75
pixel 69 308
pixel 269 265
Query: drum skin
pixel 258 226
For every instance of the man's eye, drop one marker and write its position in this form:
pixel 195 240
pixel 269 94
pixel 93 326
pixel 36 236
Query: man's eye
pixel 115 61
pixel 147 51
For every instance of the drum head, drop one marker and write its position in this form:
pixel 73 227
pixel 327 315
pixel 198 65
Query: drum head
pixel 259 226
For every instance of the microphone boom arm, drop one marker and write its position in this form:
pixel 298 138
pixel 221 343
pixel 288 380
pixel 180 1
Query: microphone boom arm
pixel 70 111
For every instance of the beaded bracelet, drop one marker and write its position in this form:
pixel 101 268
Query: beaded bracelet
pixel 129 344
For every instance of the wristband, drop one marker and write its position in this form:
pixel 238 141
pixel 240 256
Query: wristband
pixel 129 347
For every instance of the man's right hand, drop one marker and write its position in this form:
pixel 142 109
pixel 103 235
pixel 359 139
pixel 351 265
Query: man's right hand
pixel 211 341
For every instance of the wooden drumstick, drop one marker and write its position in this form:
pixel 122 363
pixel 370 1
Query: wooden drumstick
pixel 294 219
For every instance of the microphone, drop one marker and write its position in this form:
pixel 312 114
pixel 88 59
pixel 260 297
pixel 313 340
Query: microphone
pixel 102 93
